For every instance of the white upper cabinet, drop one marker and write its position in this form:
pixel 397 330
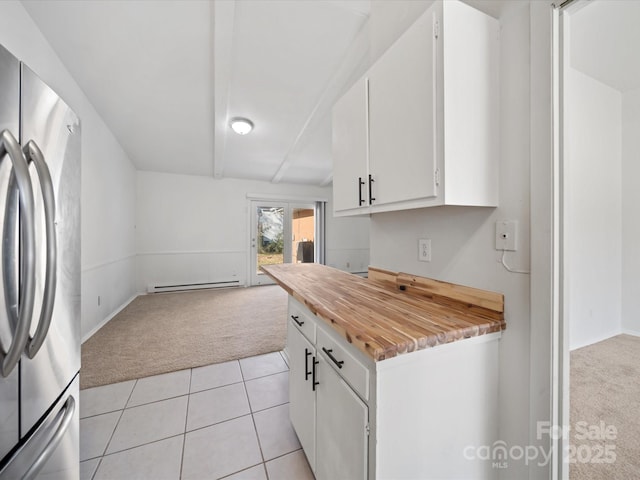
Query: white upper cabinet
pixel 402 118
pixel 426 131
pixel 350 149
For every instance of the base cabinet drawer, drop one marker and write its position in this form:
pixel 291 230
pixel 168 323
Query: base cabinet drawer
pixel 303 319
pixel 354 372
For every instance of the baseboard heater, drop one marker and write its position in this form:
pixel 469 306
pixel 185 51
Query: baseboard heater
pixel 192 286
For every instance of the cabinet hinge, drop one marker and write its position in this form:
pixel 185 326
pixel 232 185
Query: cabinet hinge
pixel 367 429
pixel 436 177
pixel 436 28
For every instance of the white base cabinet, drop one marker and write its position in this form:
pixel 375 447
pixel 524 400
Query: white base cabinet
pixel 422 415
pixel 302 398
pixel 342 434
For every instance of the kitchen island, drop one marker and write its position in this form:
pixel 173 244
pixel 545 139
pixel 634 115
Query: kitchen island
pixel 394 376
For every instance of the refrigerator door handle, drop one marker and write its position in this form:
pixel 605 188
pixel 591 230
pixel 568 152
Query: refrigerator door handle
pixel 34 154
pixel 19 314
pixel 63 417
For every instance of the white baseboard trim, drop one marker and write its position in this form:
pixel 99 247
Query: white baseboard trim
pixel 635 333
pixel 593 341
pixel 92 332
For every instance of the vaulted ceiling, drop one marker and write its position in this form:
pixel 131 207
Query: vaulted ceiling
pixel 166 76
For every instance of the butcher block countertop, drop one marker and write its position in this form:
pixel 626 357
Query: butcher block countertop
pixel 391 313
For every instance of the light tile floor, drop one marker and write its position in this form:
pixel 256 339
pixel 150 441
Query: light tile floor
pixel 229 420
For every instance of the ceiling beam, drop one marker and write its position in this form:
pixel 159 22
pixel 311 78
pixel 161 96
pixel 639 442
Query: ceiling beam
pixel 353 64
pixel 222 31
pixel 327 180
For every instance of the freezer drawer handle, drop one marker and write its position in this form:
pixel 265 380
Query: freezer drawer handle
pixel 64 417
pixel 20 314
pixel 34 154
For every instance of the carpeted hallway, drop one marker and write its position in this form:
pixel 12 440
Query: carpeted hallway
pixel 166 332
pixel 605 387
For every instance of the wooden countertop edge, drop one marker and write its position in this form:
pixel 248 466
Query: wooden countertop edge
pixel 394 348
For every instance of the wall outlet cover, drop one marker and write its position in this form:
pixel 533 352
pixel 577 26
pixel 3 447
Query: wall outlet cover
pixel 506 235
pixel 424 250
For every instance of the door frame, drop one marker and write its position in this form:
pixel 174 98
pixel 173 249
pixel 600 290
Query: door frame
pixel 318 203
pixel 256 277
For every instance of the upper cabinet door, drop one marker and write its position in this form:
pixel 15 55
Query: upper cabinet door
pixel 350 145
pixel 402 120
pixel 431 106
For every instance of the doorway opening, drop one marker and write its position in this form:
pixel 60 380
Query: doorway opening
pixel 284 232
pixel 599 116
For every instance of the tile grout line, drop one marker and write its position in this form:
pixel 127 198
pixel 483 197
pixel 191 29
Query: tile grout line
pixel 267 375
pixel 215 388
pixel 253 420
pixel 142 444
pixel 285 359
pixel 93 475
pixel 239 471
pixel 136 446
pixel 186 418
pixel 270 407
pixel 104 452
pixel 185 431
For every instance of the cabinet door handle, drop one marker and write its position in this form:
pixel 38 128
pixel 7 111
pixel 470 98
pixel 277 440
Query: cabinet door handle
pixel 295 319
pixel 371 197
pixel 333 359
pixel 313 374
pixel 360 184
pixel 307 354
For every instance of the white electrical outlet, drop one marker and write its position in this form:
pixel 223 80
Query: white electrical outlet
pixel 506 235
pixel 424 250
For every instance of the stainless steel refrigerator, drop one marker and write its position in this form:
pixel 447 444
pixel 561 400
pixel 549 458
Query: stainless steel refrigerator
pixel 40 262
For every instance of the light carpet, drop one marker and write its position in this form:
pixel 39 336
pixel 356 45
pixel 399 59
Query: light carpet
pixel 605 387
pixel 165 332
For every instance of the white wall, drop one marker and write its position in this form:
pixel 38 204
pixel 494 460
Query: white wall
pixel 463 238
pixel 630 203
pixel 107 176
pixel 193 229
pixel 593 221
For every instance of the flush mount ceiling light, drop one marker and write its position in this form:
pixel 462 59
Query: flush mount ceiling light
pixel 241 125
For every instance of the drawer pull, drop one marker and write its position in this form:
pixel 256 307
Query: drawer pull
pixel 307 354
pixel 295 319
pixel 313 374
pixel 333 359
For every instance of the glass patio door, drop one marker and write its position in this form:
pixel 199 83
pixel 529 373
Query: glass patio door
pixel 280 233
